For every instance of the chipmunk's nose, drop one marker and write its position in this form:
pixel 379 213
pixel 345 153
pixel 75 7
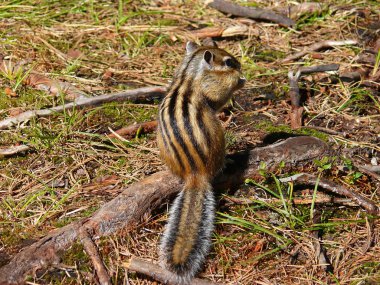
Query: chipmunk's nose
pixel 241 81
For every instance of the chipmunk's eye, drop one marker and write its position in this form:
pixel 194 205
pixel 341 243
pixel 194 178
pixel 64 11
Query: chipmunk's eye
pixel 229 62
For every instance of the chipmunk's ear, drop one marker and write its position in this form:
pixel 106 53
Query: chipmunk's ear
pixel 209 42
pixel 208 59
pixel 191 47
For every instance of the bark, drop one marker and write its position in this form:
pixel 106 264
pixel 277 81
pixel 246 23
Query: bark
pixel 160 274
pixel 135 95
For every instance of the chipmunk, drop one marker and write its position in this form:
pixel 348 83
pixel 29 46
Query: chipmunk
pixel 191 142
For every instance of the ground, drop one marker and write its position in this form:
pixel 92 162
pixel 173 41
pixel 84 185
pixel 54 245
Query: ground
pixel 73 167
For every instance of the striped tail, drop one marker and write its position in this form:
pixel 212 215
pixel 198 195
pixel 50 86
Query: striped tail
pixel 187 237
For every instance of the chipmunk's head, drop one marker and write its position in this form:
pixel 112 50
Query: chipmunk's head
pixel 215 72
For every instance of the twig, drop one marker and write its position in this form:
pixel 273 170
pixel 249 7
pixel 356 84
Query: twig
pixel 321 257
pixel 325 130
pixel 295 99
pixel 160 274
pixel 319 46
pixel 319 68
pixel 371 170
pixel 136 95
pixel 320 199
pixel 139 199
pixel 92 252
pixel 294 92
pixel 13 150
pixel 216 32
pixel 133 130
pixel 250 12
pixel 296 11
pixel 333 187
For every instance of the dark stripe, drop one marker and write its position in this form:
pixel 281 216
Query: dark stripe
pixel 166 135
pixel 177 132
pixel 211 103
pixel 189 127
pixel 202 126
pixel 160 119
pixel 172 108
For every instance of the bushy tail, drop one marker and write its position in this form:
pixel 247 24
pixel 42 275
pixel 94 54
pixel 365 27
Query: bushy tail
pixel 187 237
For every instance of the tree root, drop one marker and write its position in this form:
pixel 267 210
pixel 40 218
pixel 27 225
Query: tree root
pixel 160 274
pixel 127 209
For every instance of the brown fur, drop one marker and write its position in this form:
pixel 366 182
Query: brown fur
pixel 191 139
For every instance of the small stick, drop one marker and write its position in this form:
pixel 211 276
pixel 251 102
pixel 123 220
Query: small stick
pixel 295 99
pixel 215 32
pixel 320 199
pixel 131 131
pixel 296 11
pixel 321 257
pixel 250 12
pixel 371 170
pixel 135 95
pixel 333 187
pixel 92 252
pixel 13 150
pixel 160 274
pixel 294 92
pixel 318 46
pixel 325 130
pixel 319 68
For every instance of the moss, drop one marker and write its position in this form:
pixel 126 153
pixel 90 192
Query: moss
pixel 230 139
pixel 75 254
pixel 269 127
pixel 269 55
pixel 164 22
pixel 122 114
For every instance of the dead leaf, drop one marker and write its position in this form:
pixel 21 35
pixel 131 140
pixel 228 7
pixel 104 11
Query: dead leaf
pixel 107 75
pixel 74 54
pixel 15 111
pixel 9 92
pixel 317 56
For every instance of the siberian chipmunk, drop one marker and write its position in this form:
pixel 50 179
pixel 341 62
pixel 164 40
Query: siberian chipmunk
pixel 191 142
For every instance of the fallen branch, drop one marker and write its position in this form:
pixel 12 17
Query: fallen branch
pixel 136 95
pixel 135 130
pixel 97 262
pixel 250 12
pixel 160 274
pixel 139 199
pixel 13 150
pixel 319 46
pixel 333 187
